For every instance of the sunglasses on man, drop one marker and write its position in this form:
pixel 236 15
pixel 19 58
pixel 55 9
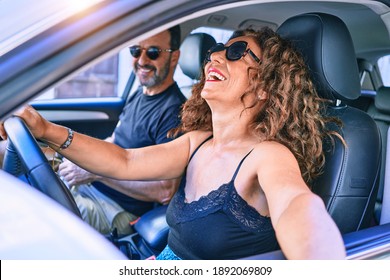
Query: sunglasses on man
pixel 233 52
pixel 152 52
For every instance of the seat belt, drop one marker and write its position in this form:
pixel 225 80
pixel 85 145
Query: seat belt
pixel 385 211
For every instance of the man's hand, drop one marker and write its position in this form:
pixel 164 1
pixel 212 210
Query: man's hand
pixel 75 175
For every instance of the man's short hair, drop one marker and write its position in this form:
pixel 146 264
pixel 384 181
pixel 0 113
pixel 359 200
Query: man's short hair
pixel 175 37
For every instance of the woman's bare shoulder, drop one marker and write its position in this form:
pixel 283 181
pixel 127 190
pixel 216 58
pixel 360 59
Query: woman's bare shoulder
pixel 271 146
pixel 198 136
pixel 273 151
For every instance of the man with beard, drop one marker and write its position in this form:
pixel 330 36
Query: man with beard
pixel 151 112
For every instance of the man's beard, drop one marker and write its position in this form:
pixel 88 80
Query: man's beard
pixel 157 78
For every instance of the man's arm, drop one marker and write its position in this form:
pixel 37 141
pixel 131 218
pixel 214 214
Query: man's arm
pixel 154 191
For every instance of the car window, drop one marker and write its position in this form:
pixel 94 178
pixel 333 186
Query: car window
pixel 384 68
pixel 366 81
pixel 105 79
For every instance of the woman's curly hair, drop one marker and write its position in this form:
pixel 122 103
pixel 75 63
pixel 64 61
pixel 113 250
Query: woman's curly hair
pixel 292 114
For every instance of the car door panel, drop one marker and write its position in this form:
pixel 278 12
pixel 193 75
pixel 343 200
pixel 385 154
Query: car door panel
pixel 96 117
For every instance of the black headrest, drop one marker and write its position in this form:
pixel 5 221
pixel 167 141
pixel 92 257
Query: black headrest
pixel 382 100
pixel 193 52
pixel 326 44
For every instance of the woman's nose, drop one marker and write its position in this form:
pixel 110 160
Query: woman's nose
pixel 217 55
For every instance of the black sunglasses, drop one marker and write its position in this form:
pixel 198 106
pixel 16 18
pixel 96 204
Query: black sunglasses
pixel 233 52
pixel 152 52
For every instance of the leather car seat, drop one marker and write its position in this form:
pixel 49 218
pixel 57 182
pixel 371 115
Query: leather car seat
pixel 348 185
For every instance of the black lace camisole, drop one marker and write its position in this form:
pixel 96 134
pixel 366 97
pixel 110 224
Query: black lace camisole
pixel 220 225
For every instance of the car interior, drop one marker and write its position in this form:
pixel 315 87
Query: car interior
pixel 341 51
pixel 349 193
pixel 353 179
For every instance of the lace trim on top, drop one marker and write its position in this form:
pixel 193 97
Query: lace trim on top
pixel 225 199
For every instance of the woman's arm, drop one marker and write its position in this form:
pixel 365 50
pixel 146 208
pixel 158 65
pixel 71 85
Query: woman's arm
pixel 303 227
pixel 166 161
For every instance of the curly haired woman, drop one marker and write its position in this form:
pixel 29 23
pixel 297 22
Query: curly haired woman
pixel 252 144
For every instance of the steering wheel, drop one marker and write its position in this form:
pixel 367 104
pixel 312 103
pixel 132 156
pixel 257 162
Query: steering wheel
pixel 23 156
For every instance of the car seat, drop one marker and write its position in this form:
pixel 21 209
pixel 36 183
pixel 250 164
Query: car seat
pixel 348 185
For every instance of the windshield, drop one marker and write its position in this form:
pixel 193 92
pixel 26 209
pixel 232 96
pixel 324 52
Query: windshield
pixel 22 19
